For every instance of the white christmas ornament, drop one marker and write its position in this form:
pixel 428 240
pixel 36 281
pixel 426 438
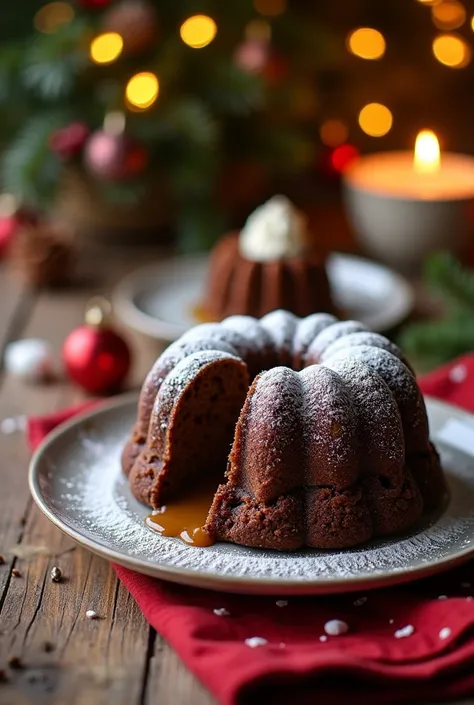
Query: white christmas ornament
pixel 275 230
pixel 30 359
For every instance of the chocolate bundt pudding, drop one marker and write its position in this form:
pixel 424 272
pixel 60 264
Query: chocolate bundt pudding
pixel 329 446
pixel 272 263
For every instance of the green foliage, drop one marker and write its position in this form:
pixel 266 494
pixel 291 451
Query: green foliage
pixel 210 112
pixel 53 62
pixel 29 168
pixel 446 277
pixel 434 342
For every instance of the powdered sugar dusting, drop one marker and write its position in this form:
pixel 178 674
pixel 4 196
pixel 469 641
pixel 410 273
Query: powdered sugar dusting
pixel 329 335
pixel 82 484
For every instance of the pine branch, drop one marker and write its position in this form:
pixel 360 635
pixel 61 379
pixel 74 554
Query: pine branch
pixel 54 61
pixel 436 342
pixel 30 170
pixel 446 276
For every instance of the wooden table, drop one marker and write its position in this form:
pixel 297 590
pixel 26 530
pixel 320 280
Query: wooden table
pixel 64 657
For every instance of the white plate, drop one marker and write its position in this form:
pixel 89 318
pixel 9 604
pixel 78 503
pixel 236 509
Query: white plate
pixel 158 300
pixel 76 480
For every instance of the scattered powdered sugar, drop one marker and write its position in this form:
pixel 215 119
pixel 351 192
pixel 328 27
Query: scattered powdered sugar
pixel 442 597
pixel 375 340
pixel 307 330
pixel 404 632
pixel 281 325
pixel 281 603
pixel 445 633
pixel 329 335
pixel 323 637
pixel 256 337
pixel 336 627
pixel 255 641
pixel 391 621
pixel 92 614
pixel 221 612
pixel 360 601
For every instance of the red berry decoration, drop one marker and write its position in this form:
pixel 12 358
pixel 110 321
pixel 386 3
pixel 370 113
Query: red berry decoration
pixel 96 357
pixel 68 141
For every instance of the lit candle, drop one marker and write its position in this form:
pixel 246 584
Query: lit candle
pixel 405 204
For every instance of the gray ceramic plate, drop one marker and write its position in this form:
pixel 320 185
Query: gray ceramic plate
pixel 76 480
pixel 158 300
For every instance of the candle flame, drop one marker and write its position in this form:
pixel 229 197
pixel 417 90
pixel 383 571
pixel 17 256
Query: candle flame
pixel 427 154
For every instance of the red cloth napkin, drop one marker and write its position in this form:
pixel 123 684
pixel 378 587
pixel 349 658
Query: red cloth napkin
pixel 368 664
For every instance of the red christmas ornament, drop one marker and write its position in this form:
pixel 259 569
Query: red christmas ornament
pixel 95 356
pixel 68 141
pixel 114 156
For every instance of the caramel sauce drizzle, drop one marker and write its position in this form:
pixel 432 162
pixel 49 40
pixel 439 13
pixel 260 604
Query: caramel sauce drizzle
pixel 185 517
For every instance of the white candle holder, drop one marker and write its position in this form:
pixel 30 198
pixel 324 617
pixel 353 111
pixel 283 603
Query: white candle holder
pixel 402 229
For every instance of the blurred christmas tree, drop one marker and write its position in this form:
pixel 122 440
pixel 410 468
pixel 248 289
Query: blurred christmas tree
pixel 202 96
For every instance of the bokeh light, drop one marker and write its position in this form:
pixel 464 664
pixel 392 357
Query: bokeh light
pixel 198 31
pixel 106 48
pixel 333 132
pixel 52 16
pixel 366 43
pixel 343 156
pixel 430 2
pixel 271 8
pixel 258 31
pixel 449 14
pixel 142 90
pixel 375 119
pixel 451 51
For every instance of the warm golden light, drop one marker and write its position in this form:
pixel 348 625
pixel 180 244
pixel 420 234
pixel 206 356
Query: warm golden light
pixel 429 2
pixel 106 48
pixel 472 23
pixel 50 17
pixel 427 155
pixel 271 8
pixel 142 90
pixel 333 132
pixel 375 119
pixel 198 31
pixel 366 43
pixel 452 51
pixel 449 14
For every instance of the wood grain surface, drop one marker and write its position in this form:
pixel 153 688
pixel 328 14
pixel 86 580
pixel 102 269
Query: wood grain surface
pixel 49 651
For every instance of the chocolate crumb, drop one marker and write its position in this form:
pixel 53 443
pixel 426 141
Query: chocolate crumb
pixel 3 676
pixel 56 575
pixel 16 573
pixel 48 647
pixel 2 560
pixel 15 662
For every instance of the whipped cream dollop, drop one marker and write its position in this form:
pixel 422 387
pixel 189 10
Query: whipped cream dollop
pixel 275 230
